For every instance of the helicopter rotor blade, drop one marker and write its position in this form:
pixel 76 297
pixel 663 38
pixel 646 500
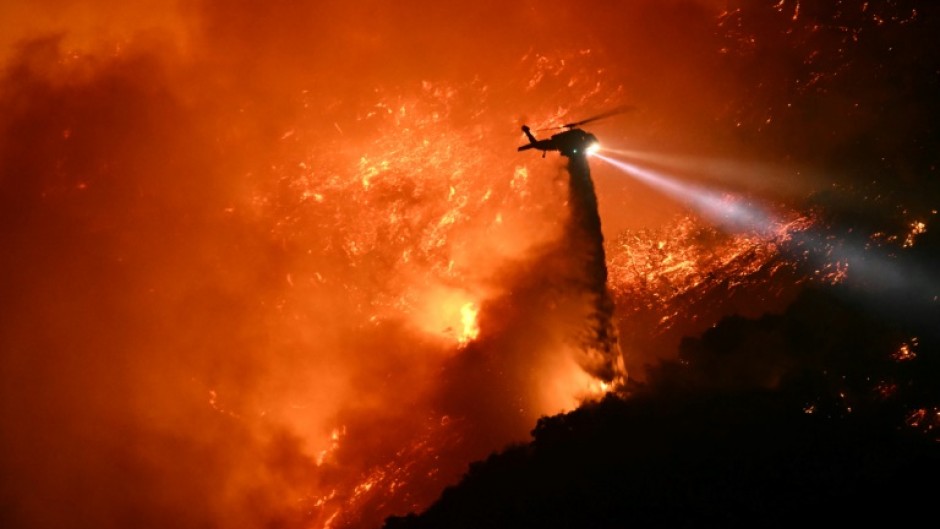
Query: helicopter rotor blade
pixel 619 110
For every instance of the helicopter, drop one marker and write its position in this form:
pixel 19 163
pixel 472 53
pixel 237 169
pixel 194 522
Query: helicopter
pixel 573 141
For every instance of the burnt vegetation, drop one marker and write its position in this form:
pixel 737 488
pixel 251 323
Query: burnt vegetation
pixel 809 415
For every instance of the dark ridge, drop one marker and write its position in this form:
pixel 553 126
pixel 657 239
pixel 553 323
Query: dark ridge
pixel 771 422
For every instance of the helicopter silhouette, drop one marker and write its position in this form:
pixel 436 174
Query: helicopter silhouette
pixel 573 141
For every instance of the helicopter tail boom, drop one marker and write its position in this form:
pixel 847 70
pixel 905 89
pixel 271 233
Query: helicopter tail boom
pixel 528 133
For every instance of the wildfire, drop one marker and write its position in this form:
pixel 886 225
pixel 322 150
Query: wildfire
pixel 665 270
pixel 428 221
pixel 343 250
pixel 468 319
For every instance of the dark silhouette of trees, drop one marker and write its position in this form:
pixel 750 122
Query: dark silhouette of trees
pixel 764 422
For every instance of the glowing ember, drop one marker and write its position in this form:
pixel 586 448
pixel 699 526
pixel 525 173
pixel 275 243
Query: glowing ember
pixel 905 352
pixel 924 419
pixel 665 270
pixel 917 228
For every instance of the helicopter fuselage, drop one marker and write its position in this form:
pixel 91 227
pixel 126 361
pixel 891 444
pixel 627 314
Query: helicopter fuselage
pixel 573 142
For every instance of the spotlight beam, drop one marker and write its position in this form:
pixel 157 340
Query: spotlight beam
pixel 719 207
pixel 754 175
pixel 873 272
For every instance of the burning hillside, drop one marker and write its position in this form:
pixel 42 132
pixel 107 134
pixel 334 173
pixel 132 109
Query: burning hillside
pixel 282 265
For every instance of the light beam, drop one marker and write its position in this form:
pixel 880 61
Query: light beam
pixel 875 272
pixel 752 174
pixel 722 208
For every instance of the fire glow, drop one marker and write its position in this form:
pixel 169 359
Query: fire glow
pixel 282 266
pixel 358 307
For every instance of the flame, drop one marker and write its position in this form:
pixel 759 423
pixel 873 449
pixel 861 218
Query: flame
pixel 653 270
pixel 470 328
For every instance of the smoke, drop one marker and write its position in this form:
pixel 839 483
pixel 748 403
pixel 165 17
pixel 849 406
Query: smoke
pixel 116 271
